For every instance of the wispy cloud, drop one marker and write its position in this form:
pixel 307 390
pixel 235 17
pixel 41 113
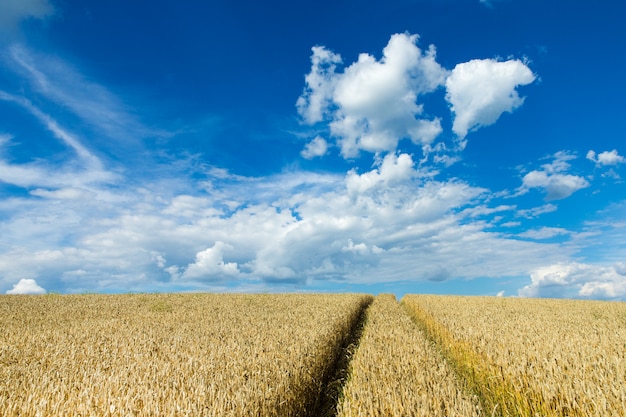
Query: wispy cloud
pixel 12 12
pixel 78 170
pixel 58 81
pixel 544 233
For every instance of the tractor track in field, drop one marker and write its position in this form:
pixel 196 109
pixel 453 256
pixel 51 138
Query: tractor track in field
pixel 326 403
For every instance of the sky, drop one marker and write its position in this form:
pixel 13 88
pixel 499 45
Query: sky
pixel 469 147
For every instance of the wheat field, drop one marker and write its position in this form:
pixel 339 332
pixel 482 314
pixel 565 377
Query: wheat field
pixel 533 357
pixel 397 372
pixel 304 355
pixel 171 354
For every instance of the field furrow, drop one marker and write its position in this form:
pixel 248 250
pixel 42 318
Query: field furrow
pixel 396 371
pixel 170 354
pixel 533 356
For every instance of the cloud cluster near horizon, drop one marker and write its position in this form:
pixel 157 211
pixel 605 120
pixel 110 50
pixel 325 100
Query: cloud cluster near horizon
pixel 26 286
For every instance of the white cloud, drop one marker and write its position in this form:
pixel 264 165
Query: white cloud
pixel 553 179
pixel 26 286
pixel 387 224
pixel 361 248
pixel 392 170
pixel 81 168
pixel 210 264
pixel 606 158
pixel 556 186
pixel 313 103
pixel 317 147
pixel 537 211
pixel 65 194
pixel 12 12
pixel 205 227
pixel 544 233
pixel 479 91
pixel 373 103
pixel 60 82
pixel 577 280
pixel 53 127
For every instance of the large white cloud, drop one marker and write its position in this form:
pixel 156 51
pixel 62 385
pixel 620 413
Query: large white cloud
pixel 574 279
pixel 373 104
pixel 26 286
pixel 480 90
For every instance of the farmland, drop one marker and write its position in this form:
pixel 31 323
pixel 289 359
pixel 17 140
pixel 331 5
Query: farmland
pixel 397 372
pixel 533 356
pixel 310 354
pixel 176 354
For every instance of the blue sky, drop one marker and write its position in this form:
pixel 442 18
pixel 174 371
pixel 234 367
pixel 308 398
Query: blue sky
pixel 408 146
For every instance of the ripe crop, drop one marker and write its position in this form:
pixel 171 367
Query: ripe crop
pixel 170 354
pixel 396 371
pixel 300 355
pixel 533 356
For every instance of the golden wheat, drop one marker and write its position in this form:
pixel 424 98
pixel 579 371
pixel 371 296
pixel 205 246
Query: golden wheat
pixel 396 371
pixel 169 355
pixel 533 356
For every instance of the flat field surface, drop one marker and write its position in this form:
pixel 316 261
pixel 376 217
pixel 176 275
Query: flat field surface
pixel 169 354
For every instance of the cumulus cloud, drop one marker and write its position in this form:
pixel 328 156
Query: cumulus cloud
pixel 26 286
pixel 313 103
pixel 553 180
pixel 383 225
pixel 12 12
pixel 372 104
pixel 479 91
pixel 577 280
pixel 556 186
pixel 392 170
pixel 210 264
pixel 606 158
pixel 317 147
